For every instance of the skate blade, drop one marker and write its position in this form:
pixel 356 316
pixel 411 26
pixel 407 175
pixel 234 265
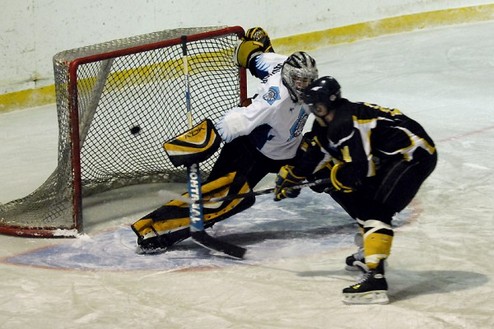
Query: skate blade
pixel 150 251
pixel 371 297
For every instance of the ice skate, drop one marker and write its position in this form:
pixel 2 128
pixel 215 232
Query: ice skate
pixel 355 261
pixel 371 289
pixel 161 243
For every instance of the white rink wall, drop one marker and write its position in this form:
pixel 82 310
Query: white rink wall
pixel 32 31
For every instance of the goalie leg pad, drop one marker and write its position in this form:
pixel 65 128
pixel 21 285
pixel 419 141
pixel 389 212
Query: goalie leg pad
pixel 169 224
pixel 167 233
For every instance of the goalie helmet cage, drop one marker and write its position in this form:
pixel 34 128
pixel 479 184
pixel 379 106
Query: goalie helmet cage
pixel 117 103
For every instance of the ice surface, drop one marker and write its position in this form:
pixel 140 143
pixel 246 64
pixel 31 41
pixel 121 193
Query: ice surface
pixel 440 271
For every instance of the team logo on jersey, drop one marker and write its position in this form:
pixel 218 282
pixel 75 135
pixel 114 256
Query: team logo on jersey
pixel 298 126
pixel 272 95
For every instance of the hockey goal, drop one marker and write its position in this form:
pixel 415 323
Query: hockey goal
pixel 117 103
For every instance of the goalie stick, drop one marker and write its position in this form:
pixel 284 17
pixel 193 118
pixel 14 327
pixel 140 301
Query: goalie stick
pixel 197 232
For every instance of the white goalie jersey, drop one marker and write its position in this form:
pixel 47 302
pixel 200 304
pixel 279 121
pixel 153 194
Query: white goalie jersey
pixel 273 120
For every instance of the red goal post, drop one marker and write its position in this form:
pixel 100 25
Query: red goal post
pixel 117 102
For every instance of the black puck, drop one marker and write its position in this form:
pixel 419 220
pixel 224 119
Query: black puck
pixel 135 130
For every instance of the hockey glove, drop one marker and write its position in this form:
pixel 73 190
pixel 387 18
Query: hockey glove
pixel 284 182
pixel 260 35
pixel 323 173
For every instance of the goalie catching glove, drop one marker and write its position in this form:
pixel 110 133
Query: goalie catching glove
pixel 285 180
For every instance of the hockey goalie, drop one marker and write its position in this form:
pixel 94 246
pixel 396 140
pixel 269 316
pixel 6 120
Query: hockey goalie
pixel 261 135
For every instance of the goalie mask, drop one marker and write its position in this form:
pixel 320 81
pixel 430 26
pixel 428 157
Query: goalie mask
pixel 298 71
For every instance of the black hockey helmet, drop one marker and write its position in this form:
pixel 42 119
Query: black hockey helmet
pixel 325 90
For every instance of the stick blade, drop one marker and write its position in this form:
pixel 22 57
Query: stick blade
pixel 205 240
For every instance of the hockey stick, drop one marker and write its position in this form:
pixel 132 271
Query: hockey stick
pixel 317 182
pixel 181 197
pixel 197 231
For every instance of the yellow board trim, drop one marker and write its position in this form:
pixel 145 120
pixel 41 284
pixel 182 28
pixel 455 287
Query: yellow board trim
pixel 27 98
pixel 398 24
pixel 306 41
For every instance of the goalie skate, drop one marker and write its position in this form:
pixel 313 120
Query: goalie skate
pixel 161 243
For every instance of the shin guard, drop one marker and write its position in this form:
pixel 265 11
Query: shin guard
pixel 378 238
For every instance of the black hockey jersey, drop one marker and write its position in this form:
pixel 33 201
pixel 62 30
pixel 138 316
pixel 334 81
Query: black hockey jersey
pixel 362 136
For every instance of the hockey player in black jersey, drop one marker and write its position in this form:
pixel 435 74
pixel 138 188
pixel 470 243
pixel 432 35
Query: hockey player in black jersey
pixel 260 136
pixel 377 158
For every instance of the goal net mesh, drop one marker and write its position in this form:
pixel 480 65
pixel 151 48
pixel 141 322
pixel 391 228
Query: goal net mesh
pixel 117 103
